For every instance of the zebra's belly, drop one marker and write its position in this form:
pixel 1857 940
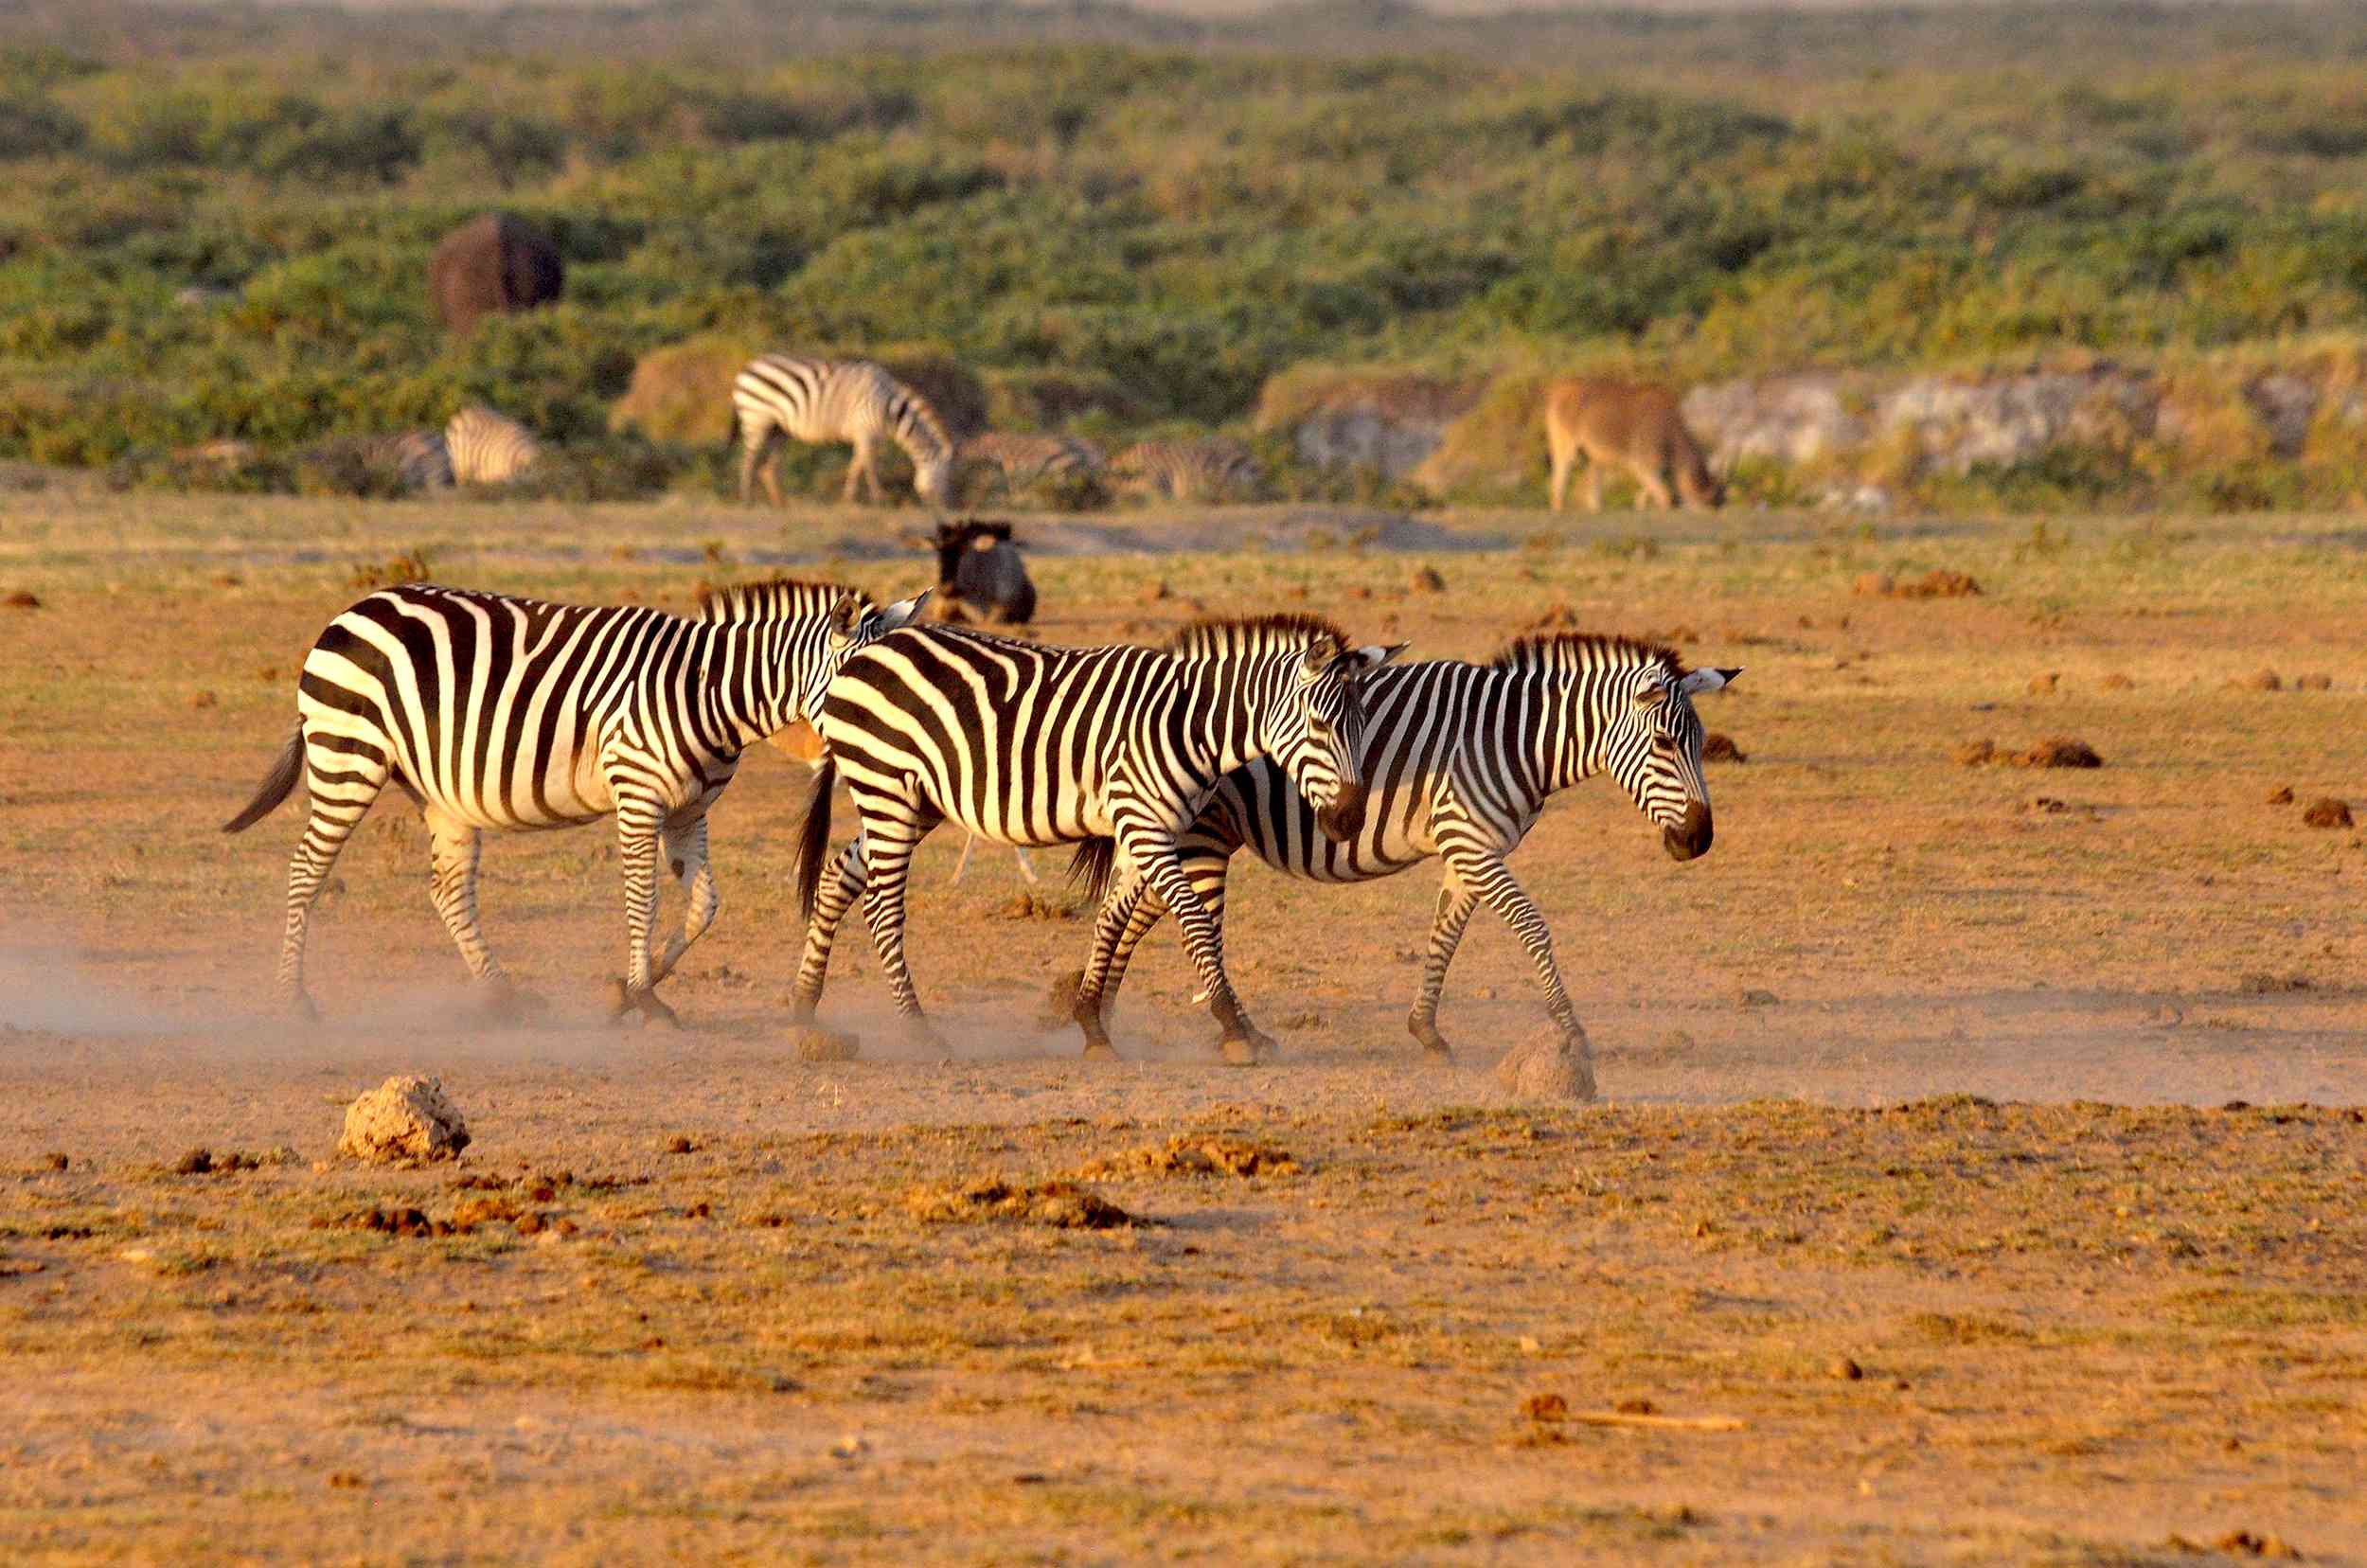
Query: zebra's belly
pixel 466 788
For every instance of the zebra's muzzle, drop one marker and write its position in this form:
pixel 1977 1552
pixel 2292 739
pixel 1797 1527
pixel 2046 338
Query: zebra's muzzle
pixel 1690 838
pixel 1345 817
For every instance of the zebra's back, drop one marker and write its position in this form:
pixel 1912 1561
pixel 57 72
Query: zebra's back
pixel 1023 459
pixel 493 708
pixel 486 447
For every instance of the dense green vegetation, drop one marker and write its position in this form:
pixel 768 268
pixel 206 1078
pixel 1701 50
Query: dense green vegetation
pixel 1175 221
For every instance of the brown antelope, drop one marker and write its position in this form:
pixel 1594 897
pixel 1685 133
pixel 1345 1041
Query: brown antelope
pixel 1635 425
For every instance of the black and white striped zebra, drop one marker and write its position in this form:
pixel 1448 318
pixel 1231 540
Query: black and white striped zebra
pixel 420 456
pixel 1460 759
pixel 510 714
pixel 486 447
pixel 1023 460
pixel 1029 745
pixel 821 401
pixel 1211 469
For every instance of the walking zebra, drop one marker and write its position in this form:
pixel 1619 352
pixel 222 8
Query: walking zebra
pixel 487 448
pixel 779 396
pixel 1025 744
pixel 1024 460
pixel 509 714
pixel 1464 757
pixel 1187 471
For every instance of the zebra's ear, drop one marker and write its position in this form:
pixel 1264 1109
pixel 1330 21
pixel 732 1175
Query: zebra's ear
pixel 1707 680
pixel 1376 654
pixel 899 614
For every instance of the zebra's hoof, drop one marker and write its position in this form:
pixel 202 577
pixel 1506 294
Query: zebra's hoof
pixel 301 1006
pixel 1241 1050
pixel 1437 1055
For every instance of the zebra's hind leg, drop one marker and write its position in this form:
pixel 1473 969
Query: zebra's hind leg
pixel 344 782
pixel 686 848
pixel 1456 904
pixel 891 831
pixel 454 849
pixel 1203 938
pixel 1120 908
pixel 638 826
pixel 843 883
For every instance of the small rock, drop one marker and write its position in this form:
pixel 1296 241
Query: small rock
pixel 197 1162
pixel 1426 580
pixel 1973 753
pixel 2328 812
pixel 56 1162
pixel 2313 683
pixel 2116 682
pixel 2042 685
pixel 2260 680
pixel 1545 1407
pixel 1156 592
pixel 2044 805
pixel 2281 795
pixel 1751 996
pixel 1721 748
pixel 1873 585
pixel 20 599
pixel 2058 750
pixel 817 1044
pixel 853 1446
pixel 204 700
pixel 1845 1370
pixel 1636 1407
pixel 407 1117
pixel 679 1145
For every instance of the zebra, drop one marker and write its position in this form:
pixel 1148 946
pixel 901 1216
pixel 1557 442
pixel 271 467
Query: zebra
pixel 1462 757
pixel 422 457
pixel 1024 460
pixel 780 396
pixel 487 448
pixel 1187 471
pixel 1023 744
pixel 509 714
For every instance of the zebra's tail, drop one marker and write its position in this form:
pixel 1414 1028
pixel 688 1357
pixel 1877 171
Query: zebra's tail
pixel 813 837
pixel 1091 866
pixel 277 784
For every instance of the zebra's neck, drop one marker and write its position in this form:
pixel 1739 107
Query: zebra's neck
pixel 750 683
pixel 1227 698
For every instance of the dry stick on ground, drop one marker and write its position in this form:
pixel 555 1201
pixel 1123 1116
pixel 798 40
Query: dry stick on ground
pixel 1669 1423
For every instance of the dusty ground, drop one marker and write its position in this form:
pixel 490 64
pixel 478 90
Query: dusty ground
pixel 2099 1320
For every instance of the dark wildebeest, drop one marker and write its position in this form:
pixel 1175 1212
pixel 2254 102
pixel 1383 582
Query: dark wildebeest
pixel 979 573
pixel 491 264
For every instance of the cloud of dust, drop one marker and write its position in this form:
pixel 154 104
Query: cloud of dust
pixel 47 988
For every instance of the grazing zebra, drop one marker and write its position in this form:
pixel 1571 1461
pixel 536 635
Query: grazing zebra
pixel 489 449
pixel 420 456
pixel 1462 758
pixel 1023 460
pixel 1187 471
pixel 506 714
pixel 1025 744
pixel 782 396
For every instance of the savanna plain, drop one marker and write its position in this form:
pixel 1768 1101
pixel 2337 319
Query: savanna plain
pixel 1976 1175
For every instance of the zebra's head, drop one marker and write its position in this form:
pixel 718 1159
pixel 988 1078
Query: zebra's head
pixel 854 621
pixel 1653 744
pixel 932 478
pixel 1316 736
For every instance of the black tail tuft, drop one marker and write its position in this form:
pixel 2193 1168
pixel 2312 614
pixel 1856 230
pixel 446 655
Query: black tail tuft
pixel 814 838
pixel 1091 866
pixel 277 784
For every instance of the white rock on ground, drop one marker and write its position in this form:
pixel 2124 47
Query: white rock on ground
pixel 1545 1067
pixel 405 1118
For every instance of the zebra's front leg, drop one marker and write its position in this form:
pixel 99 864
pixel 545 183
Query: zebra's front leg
pixel 686 846
pixel 639 824
pixel 1456 904
pixel 843 883
pixel 859 473
pixel 343 793
pixel 1488 876
pixel 1203 938
pixel 454 849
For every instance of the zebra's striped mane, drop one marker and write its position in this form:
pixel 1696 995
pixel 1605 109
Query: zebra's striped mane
pixel 1221 638
pixel 774 598
pixel 1565 651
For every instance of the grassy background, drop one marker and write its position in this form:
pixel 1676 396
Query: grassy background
pixel 1168 211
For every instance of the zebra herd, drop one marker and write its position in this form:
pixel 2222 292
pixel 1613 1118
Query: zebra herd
pixel 858 403
pixel 1329 760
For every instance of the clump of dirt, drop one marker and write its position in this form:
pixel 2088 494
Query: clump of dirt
pixel 19 598
pixel 466 1221
pixel 2042 685
pixel 2281 795
pixel 1028 905
pixel 2117 682
pixel 1721 748
pixel 2043 806
pixel 2056 750
pixel 1426 580
pixel 1937 583
pixel 205 698
pixel 815 1045
pixel 1547 1067
pixel 1156 592
pixel 406 1118
pixel 680 1144
pixel 1062 1205
pixel 2328 812
pixel 2264 983
pixel 1059 1000
pixel 57 1161
pixel 205 1162
pixel 1192 1156
pixel 2313 683
pixel 1545 1407
pixel 1556 617
pixel 2259 680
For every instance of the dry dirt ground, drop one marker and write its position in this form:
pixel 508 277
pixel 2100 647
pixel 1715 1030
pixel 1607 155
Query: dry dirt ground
pixel 1919 1222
